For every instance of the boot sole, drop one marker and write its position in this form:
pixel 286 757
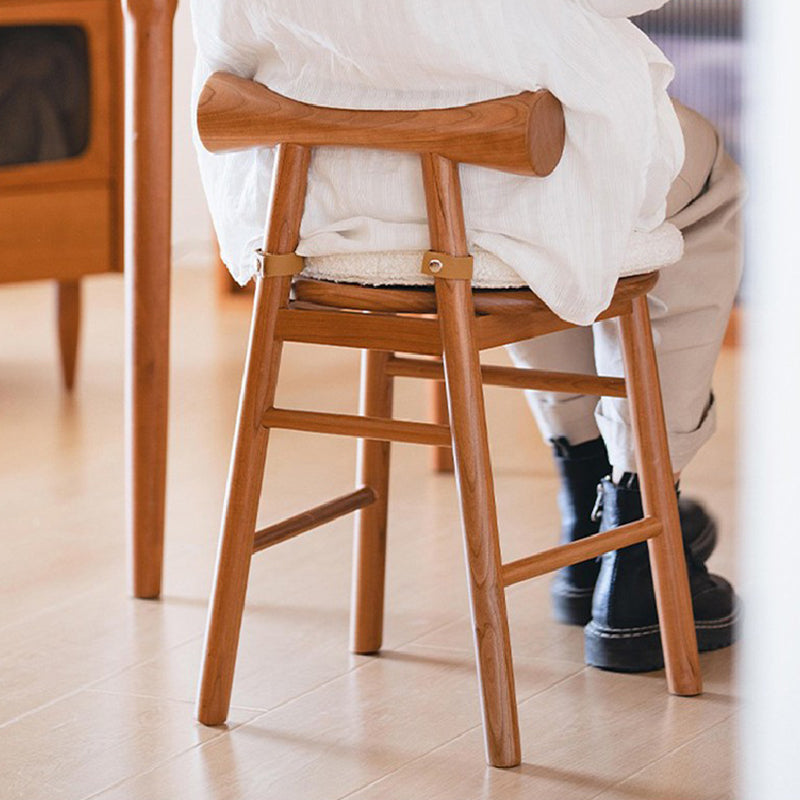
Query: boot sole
pixel 639 649
pixel 573 606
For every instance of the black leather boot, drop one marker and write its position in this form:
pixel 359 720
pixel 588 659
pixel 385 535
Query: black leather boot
pixel 624 634
pixel 581 469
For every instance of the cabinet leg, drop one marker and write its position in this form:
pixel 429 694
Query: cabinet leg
pixel 68 309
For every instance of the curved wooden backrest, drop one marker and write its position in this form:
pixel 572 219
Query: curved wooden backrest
pixel 523 134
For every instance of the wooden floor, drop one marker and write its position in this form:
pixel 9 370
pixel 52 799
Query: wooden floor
pixel 97 689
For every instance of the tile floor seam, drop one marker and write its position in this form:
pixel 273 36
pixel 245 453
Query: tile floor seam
pixel 41 707
pixel 430 631
pixel 674 750
pixel 87 686
pixel 367 660
pixel 521 659
pixel 261 711
pixel 286 702
pixel 145 696
pixel 553 685
pixel 58 605
pixel 261 714
pixel 150 659
pixel 227 732
pixel 383 777
pixel 111 584
pixel 159 764
pixel 448 742
pixel 313 689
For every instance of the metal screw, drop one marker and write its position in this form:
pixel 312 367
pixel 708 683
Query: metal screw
pixel 434 265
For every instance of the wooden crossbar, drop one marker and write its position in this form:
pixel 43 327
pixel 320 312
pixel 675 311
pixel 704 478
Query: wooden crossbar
pixel 375 428
pixel 515 377
pixel 313 518
pixel 582 550
pixel 494 330
pixel 372 331
pixel 523 134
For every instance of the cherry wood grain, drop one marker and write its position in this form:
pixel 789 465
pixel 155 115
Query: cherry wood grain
pixel 523 134
pixel 670 580
pixel 241 505
pixel 74 220
pixel 494 330
pixel 250 443
pixel 375 428
pixel 582 550
pixel 422 299
pixel 148 174
pixel 442 457
pixel 515 377
pixel 479 522
pixel 369 540
pixel 448 233
pixel 473 468
pixel 312 518
pixel 350 329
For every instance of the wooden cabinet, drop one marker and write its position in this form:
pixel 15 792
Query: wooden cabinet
pixel 62 219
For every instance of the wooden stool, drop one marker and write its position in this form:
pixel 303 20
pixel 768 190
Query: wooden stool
pixel 522 134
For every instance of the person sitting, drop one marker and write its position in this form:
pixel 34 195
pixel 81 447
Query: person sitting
pixel 642 184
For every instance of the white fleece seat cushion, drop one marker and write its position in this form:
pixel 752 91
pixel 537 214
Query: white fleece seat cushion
pixel 646 252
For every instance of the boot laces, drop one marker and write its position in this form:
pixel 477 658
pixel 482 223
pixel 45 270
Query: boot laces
pixel 597 509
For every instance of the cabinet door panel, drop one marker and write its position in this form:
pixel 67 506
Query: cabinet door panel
pixel 99 22
pixel 58 233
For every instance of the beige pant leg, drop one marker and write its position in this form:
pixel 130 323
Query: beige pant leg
pixel 558 415
pixel 690 308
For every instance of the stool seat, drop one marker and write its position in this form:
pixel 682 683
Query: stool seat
pixel 422 299
pixel 646 251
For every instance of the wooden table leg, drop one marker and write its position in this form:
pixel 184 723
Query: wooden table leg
pixel 148 165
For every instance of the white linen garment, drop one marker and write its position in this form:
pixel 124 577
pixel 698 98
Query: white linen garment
pixel 566 235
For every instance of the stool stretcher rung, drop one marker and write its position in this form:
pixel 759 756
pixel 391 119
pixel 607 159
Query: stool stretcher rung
pixel 356 329
pixel 313 518
pixel 375 428
pixel 582 550
pixel 515 377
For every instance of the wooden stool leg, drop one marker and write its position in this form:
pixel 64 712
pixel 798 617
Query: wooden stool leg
pixel 241 504
pixel 479 520
pixel 670 579
pixel 441 457
pixel 68 303
pixel 369 551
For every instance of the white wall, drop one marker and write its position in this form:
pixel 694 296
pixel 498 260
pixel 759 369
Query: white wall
pixel 192 232
pixel 770 476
